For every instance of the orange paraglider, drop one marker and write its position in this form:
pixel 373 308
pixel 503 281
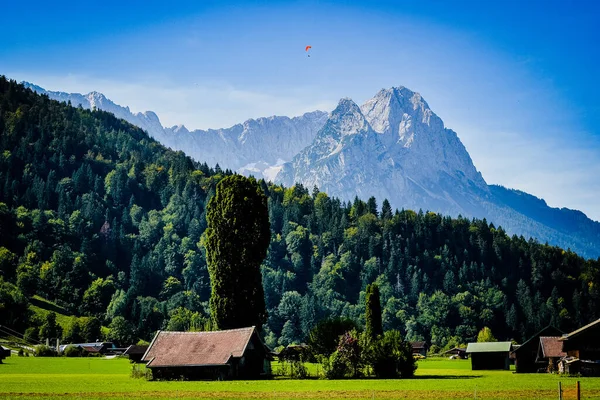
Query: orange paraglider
pixel 308 47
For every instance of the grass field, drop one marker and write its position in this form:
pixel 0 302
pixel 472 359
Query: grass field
pixel 97 378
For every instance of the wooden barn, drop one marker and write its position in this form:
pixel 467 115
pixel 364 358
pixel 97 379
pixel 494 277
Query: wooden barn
pixel 582 348
pixel 584 343
pixel 419 347
pixel 457 352
pixel 526 356
pixel 228 354
pixel 489 355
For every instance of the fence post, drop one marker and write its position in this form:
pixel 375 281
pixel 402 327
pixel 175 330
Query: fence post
pixel 578 391
pixel 559 391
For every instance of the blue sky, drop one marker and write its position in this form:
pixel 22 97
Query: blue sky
pixel 517 80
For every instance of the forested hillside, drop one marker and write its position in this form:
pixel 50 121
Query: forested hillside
pixel 102 219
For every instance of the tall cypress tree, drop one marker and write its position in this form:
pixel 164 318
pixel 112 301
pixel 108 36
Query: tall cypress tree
pixel 373 312
pixel 236 242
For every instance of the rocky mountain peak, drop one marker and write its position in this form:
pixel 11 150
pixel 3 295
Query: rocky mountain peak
pixel 396 144
pixel 345 119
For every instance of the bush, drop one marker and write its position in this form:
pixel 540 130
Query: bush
pixel 31 334
pixel 391 357
pixel 72 332
pixel 44 351
pixel 335 367
pixel 74 351
pixel 298 370
pixel 283 368
pixel 349 349
pixel 140 371
pixel 294 369
pixel 21 353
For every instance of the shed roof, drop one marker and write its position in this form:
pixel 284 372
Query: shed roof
pixel 135 349
pixel 176 349
pixel 551 346
pixel 488 347
pixel 455 349
pixel 580 330
pixel 418 345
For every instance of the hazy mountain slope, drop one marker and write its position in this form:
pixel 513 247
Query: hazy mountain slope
pixel 584 231
pixel 148 120
pixel 257 147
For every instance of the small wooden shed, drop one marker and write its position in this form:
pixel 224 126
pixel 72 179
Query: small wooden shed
pixel 228 354
pixel 4 352
pixel 135 352
pixel 419 347
pixel 550 352
pixel 459 352
pixel 295 352
pixel 489 355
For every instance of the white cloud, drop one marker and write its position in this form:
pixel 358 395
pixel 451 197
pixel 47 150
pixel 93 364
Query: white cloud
pixel 199 105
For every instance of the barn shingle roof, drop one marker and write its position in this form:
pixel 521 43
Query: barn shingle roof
pixel 551 347
pixel 135 349
pixel 176 349
pixel 580 330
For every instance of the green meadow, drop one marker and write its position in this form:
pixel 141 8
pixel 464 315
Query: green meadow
pixel 97 378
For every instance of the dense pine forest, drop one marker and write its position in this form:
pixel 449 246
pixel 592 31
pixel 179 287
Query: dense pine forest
pixel 108 223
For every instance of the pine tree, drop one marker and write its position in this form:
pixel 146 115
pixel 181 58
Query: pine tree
pixel 386 210
pixel 236 242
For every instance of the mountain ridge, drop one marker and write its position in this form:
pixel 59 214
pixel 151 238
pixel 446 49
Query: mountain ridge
pixel 409 157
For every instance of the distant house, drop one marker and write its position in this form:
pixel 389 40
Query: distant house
pixel 582 348
pixel 526 355
pixel 419 348
pixel 459 352
pixel 228 354
pixel 550 352
pixel 489 355
pixel 295 352
pixel 94 348
pixel 4 352
pixel 135 353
